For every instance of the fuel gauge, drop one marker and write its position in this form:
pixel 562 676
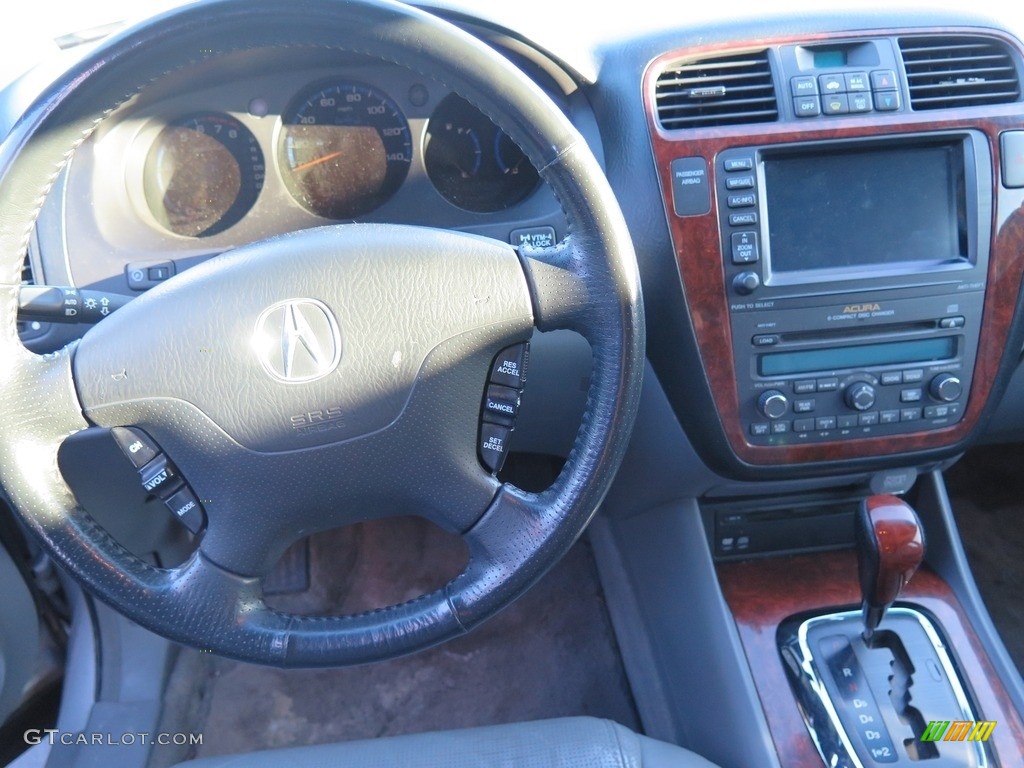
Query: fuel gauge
pixel 454 154
pixel 472 163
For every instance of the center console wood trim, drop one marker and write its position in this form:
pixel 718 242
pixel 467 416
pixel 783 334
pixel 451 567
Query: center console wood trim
pixel 762 593
pixel 699 255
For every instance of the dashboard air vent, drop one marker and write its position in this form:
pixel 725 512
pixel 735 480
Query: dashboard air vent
pixel 958 71
pixel 725 90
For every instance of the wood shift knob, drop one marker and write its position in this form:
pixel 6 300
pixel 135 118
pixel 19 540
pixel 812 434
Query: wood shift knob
pixel 890 548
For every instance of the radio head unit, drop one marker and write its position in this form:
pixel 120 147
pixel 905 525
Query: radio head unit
pixel 856 274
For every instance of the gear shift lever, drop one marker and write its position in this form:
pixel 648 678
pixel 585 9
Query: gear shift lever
pixel 890 547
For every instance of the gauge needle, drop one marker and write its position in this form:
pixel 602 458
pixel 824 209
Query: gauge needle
pixel 317 161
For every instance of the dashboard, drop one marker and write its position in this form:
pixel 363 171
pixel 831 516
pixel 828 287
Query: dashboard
pixel 886 325
pixel 827 211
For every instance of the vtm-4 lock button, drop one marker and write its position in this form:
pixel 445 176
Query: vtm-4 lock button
pixel 159 477
pixel 501 404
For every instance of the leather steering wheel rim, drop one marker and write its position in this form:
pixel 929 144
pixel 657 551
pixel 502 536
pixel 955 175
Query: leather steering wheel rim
pixel 589 284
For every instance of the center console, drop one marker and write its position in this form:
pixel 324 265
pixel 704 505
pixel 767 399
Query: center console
pixel 850 250
pixel 846 214
pixel 856 282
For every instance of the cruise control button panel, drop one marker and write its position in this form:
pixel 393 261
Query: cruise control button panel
pixel 500 405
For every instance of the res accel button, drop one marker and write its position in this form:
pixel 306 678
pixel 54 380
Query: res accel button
pixel 509 368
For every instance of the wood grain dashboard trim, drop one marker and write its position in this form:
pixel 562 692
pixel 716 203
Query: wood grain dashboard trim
pixel 763 593
pixel 699 251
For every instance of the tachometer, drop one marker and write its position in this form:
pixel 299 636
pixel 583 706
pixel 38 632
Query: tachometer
pixel 472 163
pixel 345 149
pixel 202 174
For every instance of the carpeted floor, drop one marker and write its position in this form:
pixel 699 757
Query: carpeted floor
pixel 550 654
pixel 986 489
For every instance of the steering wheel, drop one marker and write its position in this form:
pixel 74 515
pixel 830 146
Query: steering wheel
pixel 415 315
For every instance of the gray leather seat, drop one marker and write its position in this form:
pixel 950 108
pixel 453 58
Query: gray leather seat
pixel 571 742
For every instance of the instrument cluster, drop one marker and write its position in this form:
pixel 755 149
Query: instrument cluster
pixel 341 148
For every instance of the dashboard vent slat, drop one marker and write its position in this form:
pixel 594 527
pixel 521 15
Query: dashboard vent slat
pixel 959 71
pixel 725 90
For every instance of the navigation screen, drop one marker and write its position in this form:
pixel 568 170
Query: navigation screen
pixel 865 208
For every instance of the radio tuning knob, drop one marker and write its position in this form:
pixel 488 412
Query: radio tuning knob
pixel 773 404
pixel 745 283
pixel 860 396
pixel 945 388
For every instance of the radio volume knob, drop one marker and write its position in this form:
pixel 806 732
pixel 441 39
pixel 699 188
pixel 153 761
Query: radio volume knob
pixel 945 388
pixel 773 404
pixel 860 396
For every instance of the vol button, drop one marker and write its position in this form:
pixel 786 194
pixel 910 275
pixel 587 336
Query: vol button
pixel 773 404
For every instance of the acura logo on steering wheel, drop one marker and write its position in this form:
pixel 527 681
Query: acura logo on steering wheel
pixel 297 340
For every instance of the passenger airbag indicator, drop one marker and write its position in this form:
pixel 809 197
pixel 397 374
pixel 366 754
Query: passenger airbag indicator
pixel 691 191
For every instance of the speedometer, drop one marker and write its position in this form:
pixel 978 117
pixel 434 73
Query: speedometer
pixel 345 149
